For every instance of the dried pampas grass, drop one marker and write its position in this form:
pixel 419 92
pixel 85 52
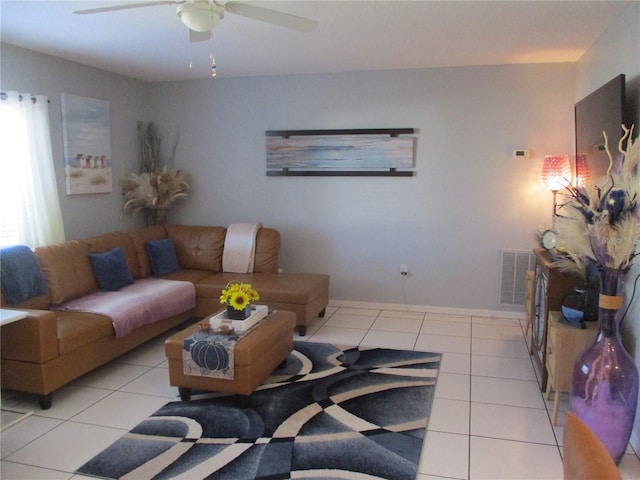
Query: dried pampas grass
pixel 154 191
pixel 571 264
pixel 156 187
pixel 601 224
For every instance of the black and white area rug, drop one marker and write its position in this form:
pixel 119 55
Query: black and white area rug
pixel 332 413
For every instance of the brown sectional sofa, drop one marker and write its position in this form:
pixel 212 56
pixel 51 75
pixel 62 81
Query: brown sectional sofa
pixel 50 348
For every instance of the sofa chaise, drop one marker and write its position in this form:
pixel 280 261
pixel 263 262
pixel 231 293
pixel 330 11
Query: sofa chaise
pixel 56 343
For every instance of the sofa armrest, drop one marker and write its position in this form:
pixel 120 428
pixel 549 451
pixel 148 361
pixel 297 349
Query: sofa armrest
pixel 32 339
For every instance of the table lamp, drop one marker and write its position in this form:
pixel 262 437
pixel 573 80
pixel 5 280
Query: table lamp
pixel 583 173
pixel 556 175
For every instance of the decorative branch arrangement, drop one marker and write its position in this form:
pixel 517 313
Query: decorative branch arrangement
pixel 601 227
pixel 156 187
pixel 601 224
pixel 149 144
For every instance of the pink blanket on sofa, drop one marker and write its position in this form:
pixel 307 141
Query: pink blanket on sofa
pixel 145 301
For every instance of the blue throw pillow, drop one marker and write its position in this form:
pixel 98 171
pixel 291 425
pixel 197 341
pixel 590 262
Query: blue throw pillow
pixel 111 270
pixel 21 276
pixel 162 255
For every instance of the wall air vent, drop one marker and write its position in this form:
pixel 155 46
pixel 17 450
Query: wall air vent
pixel 513 275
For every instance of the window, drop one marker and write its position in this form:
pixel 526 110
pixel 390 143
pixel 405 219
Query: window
pixel 30 211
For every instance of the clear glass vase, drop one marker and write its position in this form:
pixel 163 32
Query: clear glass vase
pixel 604 391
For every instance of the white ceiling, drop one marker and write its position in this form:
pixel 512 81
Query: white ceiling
pixel 151 43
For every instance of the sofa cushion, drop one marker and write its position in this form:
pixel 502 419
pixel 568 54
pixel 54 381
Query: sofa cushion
pixel 187 275
pixel 296 288
pixel 140 238
pixel 162 255
pixel 198 247
pixel 67 270
pixel 146 301
pixel 110 269
pixel 267 250
pixel 109 241
pixel 77 329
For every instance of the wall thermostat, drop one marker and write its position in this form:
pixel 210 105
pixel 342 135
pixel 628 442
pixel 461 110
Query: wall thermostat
pixel 521 153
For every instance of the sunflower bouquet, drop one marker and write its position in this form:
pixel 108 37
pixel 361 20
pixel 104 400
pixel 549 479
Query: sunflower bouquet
pixel 238 295
pixel 601 224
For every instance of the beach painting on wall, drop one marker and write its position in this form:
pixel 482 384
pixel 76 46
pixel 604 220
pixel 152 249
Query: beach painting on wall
pixel 339 151
pixel 87 145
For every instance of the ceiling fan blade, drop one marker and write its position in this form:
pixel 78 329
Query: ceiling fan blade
pixel 195 37
pixel 271 16
pixel 127 6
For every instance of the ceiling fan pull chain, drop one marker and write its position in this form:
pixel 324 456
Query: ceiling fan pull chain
pixel 214 67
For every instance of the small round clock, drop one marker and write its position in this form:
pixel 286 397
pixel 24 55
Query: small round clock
pixel 549 240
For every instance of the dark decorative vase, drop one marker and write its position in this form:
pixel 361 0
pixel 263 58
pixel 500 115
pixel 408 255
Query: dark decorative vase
pixel 233 314
pixel 604 391
pixel 588 295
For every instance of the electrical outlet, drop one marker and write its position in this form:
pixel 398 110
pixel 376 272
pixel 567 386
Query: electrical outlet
pixel 404 269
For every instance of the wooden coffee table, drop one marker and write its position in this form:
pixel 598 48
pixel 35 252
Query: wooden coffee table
pixel 257 354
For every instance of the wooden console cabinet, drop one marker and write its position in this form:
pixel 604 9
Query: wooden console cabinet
pixel 551 286
pixel 564 344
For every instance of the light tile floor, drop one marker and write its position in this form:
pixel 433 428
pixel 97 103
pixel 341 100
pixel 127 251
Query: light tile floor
pixel 489 419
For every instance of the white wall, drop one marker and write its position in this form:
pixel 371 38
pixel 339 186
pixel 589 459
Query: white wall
pixel 618 51
pixel 30 72
pixel 468 201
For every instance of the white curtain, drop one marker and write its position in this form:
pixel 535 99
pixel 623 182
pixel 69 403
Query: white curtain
pixel 30 211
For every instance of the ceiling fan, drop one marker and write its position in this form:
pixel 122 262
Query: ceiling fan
pixel 201 16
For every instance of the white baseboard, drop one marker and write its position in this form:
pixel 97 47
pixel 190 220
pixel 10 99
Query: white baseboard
pixel 429 309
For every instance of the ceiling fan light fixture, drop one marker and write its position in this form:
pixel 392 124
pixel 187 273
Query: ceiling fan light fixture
pixel 200 16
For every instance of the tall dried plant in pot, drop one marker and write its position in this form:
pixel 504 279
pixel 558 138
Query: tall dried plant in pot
pixel 149 147
pixel 156 186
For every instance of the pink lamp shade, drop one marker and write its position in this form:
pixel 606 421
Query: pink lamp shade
pixel 556 172
pixel 583 173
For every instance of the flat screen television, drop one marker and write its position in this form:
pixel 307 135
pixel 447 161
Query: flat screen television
pixel 602 110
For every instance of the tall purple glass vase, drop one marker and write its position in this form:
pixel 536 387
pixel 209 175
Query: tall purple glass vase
pixel 604 391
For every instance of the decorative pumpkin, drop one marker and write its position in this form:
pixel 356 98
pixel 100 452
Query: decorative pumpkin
pixel 212 356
